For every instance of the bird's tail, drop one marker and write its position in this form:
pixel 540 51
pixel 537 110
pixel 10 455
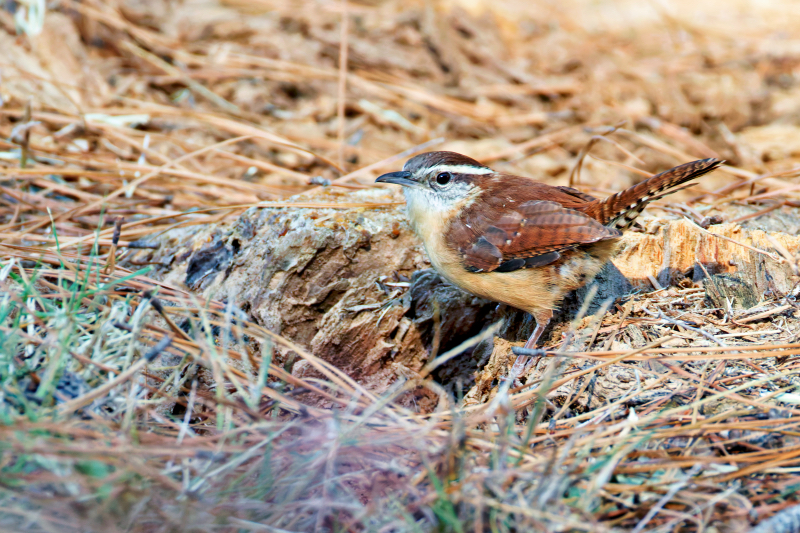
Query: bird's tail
pixel 620 210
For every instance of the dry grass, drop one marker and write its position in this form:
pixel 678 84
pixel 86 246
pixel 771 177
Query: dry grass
pixel 123 120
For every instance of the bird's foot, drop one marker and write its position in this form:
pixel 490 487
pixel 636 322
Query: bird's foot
pixel 518 369
pixel 526 359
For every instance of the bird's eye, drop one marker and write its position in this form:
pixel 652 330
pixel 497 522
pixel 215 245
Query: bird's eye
pixel 443 178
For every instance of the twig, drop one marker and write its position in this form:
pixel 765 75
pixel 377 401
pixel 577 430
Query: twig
pixel 575 175
pixel 342 89
pixel 104 389
pixel 786 521
pixel 112 253
pixel 684 325
pixel 488 333
pixel 743 245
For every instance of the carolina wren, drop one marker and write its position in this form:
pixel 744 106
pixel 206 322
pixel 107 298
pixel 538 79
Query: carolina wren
pixel 517 241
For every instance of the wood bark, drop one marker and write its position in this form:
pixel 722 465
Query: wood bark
pixel 351 285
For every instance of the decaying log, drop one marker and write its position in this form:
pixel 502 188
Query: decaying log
pixel 350 285
pixel 677 249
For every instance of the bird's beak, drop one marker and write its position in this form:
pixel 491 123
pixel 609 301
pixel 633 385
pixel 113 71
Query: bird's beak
pixel 400 178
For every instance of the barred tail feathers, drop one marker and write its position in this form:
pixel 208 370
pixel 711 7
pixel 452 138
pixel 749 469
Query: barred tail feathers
pixel 621 209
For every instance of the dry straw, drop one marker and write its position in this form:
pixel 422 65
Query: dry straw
pixel 130 404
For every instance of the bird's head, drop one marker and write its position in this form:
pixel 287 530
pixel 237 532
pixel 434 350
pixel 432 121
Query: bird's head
pixel 439 182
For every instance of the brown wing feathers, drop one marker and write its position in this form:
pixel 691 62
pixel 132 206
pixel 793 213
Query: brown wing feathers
pixel 621 209
pixel 521 223
pixel 530 235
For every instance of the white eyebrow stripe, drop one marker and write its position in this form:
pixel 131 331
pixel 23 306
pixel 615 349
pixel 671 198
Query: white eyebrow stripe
pixel 461 169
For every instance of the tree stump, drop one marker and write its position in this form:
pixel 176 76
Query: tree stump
pixel 351 286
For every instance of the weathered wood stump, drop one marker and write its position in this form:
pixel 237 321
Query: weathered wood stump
pixel 350 284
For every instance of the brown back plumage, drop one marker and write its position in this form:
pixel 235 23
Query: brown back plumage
pixel 621 209
pixel 521 223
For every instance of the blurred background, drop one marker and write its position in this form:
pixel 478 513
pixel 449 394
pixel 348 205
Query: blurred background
pixel 520 85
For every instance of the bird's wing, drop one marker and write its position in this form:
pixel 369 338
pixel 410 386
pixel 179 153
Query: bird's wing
pixel 582 196
pixel 494 239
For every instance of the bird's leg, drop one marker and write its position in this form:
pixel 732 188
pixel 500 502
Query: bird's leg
pixel 521 364
pixel 542 319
